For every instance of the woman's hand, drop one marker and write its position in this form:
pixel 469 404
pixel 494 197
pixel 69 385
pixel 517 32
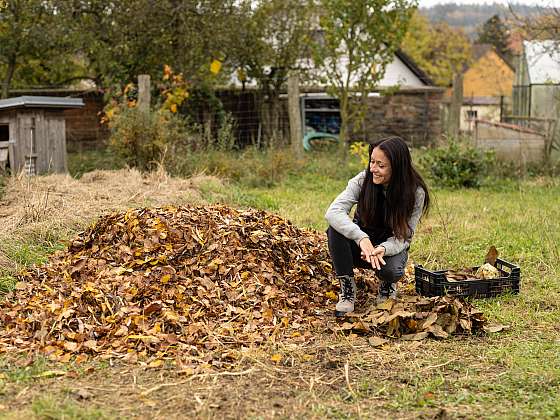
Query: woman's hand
pixel 372 254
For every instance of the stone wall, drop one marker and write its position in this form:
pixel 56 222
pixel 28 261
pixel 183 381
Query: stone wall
pixel 413 114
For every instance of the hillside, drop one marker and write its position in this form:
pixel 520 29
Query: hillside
pixel 470 17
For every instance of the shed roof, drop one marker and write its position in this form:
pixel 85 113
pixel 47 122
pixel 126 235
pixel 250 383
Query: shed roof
pixel 41 102
pixel 543 61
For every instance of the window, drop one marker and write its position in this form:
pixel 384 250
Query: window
pixel 472 114
pixel 4 132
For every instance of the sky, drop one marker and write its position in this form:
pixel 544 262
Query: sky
pixel 553 3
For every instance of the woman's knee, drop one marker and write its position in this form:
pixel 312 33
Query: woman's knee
pixel 332 233
pixel 393 268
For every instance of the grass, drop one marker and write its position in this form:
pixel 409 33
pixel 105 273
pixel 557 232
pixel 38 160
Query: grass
pixel 513 374
pixel 81 162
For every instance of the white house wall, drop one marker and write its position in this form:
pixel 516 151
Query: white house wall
pixel 396 73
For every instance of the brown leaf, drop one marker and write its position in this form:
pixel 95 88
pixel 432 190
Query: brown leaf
pixel 416 336
pixel 491 256
pixel 377 341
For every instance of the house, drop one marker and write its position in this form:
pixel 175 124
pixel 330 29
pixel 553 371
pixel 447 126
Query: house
pixel 537 81
pixel 487 87
pixel 33 133
pixel 406 103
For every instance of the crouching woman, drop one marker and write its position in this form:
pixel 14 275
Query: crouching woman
pixel 391 196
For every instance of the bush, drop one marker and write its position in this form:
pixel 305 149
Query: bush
pixel 145 140
pixel 456 165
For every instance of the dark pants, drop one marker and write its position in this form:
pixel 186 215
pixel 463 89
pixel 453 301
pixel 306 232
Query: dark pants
pixel 345 254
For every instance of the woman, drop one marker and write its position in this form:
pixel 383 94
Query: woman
pixel 390 196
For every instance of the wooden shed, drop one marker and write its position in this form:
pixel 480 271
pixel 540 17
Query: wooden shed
pixel 33 133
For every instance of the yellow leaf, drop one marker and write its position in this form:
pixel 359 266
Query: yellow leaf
pixel 276 358
pixel 215 66
pixel 50 374
pixel 331 295
pixel 156 363
pixel 173 108
pixel 165 278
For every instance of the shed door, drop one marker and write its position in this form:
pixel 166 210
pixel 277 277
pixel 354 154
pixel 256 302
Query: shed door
pixel 26 145
pixel 54 143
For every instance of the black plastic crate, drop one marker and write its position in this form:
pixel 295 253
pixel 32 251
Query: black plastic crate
pixel 435 283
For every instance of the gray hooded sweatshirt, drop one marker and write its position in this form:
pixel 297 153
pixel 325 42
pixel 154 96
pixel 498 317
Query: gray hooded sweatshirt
pixel 338 216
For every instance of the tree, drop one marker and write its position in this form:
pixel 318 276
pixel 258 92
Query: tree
pixel 359 39
pixel 121 39
pixel 438 49
pixel 30 39
pixel 271 43
pixel 495 32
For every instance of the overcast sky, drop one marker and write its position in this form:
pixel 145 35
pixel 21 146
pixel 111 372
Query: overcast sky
pixel 553 3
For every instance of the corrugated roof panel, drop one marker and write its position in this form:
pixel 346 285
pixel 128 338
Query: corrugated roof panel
pixel 41 102
pixel 543 60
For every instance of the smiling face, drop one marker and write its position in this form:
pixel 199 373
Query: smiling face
pixel 380 167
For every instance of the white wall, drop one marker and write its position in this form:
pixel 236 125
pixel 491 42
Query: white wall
pixel 396 73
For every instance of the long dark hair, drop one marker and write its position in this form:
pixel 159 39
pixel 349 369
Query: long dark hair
pixel 400 196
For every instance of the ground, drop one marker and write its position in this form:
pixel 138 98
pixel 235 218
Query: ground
pixel 513 374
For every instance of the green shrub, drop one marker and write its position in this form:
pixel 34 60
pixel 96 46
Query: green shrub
pixel 145 140
pixel 456 164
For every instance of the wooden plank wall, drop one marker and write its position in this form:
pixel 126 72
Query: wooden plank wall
pixel 49 140
pixel 55 143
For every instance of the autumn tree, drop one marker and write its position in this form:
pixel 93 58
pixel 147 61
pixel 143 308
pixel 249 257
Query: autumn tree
pixel 31 43
pixel 358 39
pixel 270 44
pixel 495 32
pixel 122 39
pixel 438 49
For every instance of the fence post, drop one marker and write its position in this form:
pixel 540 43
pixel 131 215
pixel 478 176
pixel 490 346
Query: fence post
pixel 294 114
pixel 454 119
pixel 144 92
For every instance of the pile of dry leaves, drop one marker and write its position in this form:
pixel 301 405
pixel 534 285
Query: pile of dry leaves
pixel 150 284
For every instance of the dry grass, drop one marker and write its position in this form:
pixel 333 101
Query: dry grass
pixel 35 209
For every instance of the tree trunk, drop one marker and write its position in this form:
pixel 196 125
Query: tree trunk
pixel 9 75
pixel 343 136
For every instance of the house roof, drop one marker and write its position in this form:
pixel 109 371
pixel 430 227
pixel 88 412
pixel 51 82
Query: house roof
pixel 480 50
pixel 41 102
pixel 418 72
pixel 481 100
pixel 543 61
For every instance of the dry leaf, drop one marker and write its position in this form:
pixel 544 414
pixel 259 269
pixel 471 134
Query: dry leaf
pixel 377 341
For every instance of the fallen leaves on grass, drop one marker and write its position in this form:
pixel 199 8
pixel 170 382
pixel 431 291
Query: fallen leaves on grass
pixel 193 283
pixel 171 281
pixel 416 317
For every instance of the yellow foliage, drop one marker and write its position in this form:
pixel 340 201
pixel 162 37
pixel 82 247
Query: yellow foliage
pixel 215 66
pixel 361 150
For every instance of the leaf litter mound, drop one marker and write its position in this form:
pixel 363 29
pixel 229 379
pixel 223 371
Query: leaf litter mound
pixel 197 283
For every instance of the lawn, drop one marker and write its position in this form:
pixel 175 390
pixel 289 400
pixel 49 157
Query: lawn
pixel 511 374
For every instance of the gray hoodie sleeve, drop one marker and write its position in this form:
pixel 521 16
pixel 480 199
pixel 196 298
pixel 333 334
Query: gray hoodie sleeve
pixel 338 213
pixel 394 246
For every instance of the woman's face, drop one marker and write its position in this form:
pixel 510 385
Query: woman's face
pixel 380 167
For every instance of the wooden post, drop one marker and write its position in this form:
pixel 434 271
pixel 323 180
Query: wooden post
pixel 454 120
pixel 294 114
pixel 144 92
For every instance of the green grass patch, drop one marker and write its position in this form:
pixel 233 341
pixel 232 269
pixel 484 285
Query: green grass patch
pixel 81 162
pixel 49 407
